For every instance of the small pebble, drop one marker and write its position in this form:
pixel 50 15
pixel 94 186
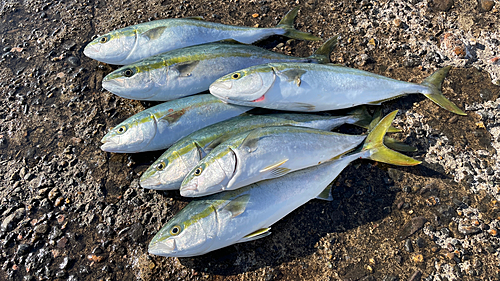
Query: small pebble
pixel 486 5
pixel 408 246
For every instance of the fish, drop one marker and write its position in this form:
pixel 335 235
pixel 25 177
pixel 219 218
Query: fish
pixel 216 221
pixel 264 153
pixel 318 87
pixel 187 71
pixel 168 171
pixel 133 43
pixel 162 125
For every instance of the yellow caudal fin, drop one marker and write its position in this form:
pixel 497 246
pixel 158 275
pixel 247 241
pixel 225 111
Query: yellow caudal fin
pixel 287 24
pixel 322 55
pixel 374 143
pixel 434 83
pixel 377 115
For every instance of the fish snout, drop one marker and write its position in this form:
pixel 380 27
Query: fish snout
pixel 189 190
pixel 163 248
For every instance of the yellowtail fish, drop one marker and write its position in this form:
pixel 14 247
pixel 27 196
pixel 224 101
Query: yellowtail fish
pixel 187 71
pixel 318 87
pixel 168 171
pixel 136 42
pixel 210 223
pixel 160 126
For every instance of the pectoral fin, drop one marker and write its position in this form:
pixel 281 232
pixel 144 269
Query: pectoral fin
pixel 154 33
pixel 325 194
pixel 185 69
pixel 216 142
pixel 292 75
pixel 263 232
pixel 251 141
pixel 201 151
pixel 238 205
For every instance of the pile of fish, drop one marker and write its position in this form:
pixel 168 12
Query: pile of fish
pixel 249 170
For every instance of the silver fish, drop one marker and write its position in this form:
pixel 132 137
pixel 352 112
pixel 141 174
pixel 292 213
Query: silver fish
pixel 318 87
pixel 160 126
pixel 136 42
pixel 168 171
pixel 187 71
pixel 246 214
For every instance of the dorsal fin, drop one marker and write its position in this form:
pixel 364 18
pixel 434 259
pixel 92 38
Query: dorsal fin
pixel 194 18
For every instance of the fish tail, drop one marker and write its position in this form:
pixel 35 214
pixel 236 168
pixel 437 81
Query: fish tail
pixel 433 83
pixel 374 144
pixel 365 120
pixel 287 24
pixel 322 55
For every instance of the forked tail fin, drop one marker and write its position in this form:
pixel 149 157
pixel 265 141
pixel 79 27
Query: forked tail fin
pixel 287 24
pixel 376 149
pixel 434 82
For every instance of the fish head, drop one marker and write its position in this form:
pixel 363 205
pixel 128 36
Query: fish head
pixel 132 135
pixel 166 173
pixel 190 232
pixel 113 47
pixel 211 175
pixel 249 85
pixel 141 80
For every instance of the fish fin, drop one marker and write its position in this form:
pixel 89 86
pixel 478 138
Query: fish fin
pixel 376 118
pixel 334 64
pixel 278 172
pixel 231 41
pixel 250 142
pixel 326 194
pixel 238 205
pixel 154 33
pixel 213 144
pixel 275 170
pixel 268 168
pixel 303 106
pixel 434 83
pixel 201 151
pixel 322 54
pixel 173 117
pixel 287 24
pixel 185 69
pixel 362 116
pixel 292 75
pixel 398 145
pixel 194 18
pixel 378 151
pixel 260 233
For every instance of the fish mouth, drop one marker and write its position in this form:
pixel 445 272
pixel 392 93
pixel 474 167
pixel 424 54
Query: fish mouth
pixel 190 190
pixel 165 248
pixel 91 49
pixel 109 145
pixel 150 183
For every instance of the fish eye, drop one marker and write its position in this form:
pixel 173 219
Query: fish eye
pixel 175 230
pixel 104 39
pixel 122 130
pixel 198 171
pixel 128 72
pixel 236 76
pixel 160 166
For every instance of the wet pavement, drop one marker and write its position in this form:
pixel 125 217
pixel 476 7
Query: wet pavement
pixel 70 211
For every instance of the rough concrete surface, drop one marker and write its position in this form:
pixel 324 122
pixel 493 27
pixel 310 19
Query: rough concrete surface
pixel 70 211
